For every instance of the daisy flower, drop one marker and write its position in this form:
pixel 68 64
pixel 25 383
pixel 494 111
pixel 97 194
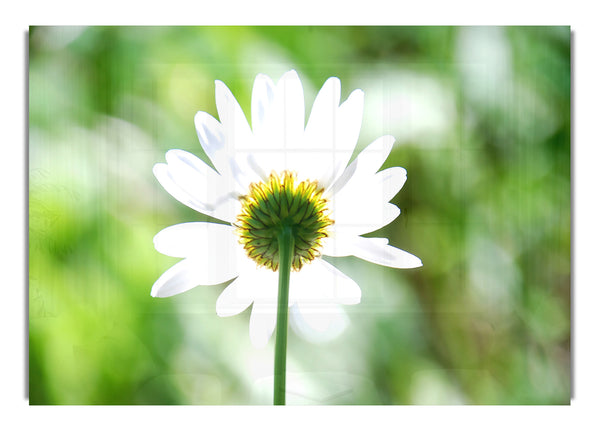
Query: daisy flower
pixel 282 171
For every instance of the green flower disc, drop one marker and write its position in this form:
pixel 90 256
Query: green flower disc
pixel 278 202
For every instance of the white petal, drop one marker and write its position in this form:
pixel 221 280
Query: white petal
pixel 345 290
pixel 279 130
pixel 337 245
pixel 347 129
pixel 260 286
pixel 321 283
pixel 289 102
pixel 379 217
pixel 198 179
pixel 333 131
pixel 359 197
pixel 191 188
pixel 261 280
pixel 318 324
pixel 340 137
pixel 235 125
pixel 361 216
pixel 374 155
pixel 342 180
pixel 235 298
pixel 181 159
pixel 377 250
pixel 221 149
pixel 188 274
pixel 263 95
pixel 202 240
pixel 211 137
pixel 320 144
pixel 262 322
pixel 389 182
pixel 165 178
pixel 323 113
pixel 366 164
pixel 265 161
pixel 361 173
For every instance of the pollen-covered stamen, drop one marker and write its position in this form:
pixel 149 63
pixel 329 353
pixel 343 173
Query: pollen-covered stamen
pixel 278 202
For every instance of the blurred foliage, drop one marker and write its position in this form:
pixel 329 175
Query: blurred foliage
pixel 482 121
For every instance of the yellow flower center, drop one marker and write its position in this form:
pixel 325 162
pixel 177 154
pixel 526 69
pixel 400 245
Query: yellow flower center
pixel 282 201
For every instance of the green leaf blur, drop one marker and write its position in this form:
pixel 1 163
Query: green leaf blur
pixel 481 117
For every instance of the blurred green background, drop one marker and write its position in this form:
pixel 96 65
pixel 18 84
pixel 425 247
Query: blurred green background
pixel 481 116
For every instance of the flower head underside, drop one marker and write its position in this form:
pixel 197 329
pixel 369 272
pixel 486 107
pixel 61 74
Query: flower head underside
pixel 281 201
pixel 286 172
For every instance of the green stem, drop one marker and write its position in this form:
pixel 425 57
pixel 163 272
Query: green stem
pixel 286 248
